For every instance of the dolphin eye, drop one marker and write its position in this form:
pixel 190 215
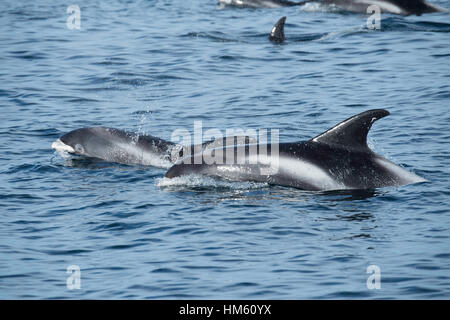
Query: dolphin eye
pixel 79 148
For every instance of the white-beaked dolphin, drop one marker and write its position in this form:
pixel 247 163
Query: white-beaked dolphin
pixel 402 7
pixel 336 159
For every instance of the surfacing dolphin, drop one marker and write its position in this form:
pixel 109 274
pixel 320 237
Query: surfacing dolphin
pixel 114 145
pixel 336 159
pixel 402 7
pixel 254 4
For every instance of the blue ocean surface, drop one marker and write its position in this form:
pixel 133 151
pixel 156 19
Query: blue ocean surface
pixel 157 66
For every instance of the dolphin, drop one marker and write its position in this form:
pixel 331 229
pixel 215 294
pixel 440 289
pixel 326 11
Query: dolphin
pixel 254 4
pixel 115 145
pixel 402 7
pixel 277 33
pixel 336 159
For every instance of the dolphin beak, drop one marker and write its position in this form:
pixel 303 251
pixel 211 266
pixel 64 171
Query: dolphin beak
pixel 61 147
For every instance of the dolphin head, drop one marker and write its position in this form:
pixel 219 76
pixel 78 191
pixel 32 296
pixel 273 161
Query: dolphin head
pixel 81 142
pixel 72 142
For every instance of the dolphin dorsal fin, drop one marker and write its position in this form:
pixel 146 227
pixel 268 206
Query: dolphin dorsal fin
pixel 277 33
pixel 352 133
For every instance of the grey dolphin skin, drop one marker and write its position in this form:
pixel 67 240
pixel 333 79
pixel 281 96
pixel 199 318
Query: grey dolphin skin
pixel 402 7
pixel 336 159
pixel 277 33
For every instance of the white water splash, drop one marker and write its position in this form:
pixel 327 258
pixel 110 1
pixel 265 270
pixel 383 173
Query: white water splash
pixel 196 181
pixel 141 123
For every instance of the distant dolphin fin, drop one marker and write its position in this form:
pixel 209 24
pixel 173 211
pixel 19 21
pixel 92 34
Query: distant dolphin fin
pixel 352 133
pixel 277 33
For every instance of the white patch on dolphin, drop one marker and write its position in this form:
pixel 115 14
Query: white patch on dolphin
pixel 383 5
pixel 406 176
pixel 309 173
